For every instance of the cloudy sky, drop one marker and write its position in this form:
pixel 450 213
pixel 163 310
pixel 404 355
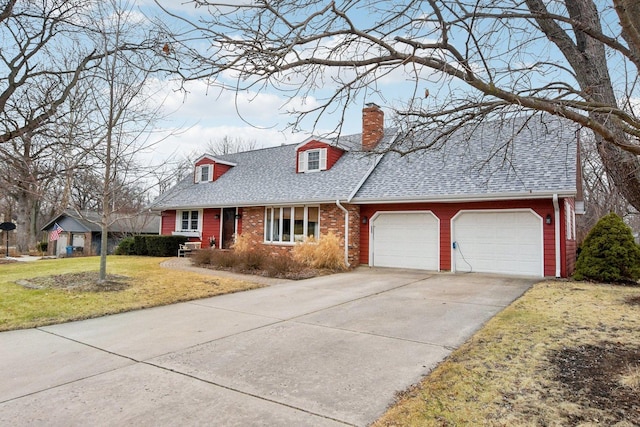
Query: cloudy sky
pixel 203 114
pixel 200 114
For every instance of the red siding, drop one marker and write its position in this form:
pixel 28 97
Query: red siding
pixel 445 211
pixel 219 170
pixel 210 226
pixel 333 153
pixel 168 222
pixel 205 161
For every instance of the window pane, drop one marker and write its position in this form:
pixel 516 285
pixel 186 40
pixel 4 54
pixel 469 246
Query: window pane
pixel 185 220
pixel 204 173
pixel 194 220
pixel 313 160
pixel 267 224
pixel 286 224
pixel 276 224
pixel 313 215
pixel 298 225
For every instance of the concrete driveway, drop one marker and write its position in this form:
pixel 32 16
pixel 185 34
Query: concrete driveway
pixel 329 351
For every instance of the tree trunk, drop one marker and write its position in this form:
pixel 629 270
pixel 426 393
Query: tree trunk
pixel 23 222
pixel 588 59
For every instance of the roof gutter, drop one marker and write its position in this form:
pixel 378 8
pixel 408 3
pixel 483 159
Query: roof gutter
pixel 346 233
pixel 465 198
pixel 556 211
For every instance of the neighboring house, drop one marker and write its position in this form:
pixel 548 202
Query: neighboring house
pixel 82 231
pixel 496 198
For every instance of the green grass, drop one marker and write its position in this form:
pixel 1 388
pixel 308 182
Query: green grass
pixel 151 286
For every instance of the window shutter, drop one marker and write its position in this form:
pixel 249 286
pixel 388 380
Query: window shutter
pixel 198 173
pixel 211 172
pixel 302 161
pixel 323 159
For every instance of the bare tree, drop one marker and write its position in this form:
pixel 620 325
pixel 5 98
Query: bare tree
pixel 601 194
pixel 229 145
pixel 578 59
pixel 43 47
pixel 125 114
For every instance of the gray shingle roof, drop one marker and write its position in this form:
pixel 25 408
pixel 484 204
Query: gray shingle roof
pixel 268 176
pixel 534 155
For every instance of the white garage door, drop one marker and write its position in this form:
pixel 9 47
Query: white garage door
pixel 405 240
pixel 498 242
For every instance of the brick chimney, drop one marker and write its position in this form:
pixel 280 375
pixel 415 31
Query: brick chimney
pixel 372 126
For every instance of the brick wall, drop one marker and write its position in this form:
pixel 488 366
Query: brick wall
pixel 331 220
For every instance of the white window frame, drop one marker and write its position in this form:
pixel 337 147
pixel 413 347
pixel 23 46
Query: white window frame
pixel 199 171
pixel 303 160
pixel 269 214
pixel 190 221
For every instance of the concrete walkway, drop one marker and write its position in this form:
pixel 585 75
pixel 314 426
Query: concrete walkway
pixel 329 351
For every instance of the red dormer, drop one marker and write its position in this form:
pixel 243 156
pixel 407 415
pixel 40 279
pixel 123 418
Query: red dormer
pixel 315 155
pixel 209 169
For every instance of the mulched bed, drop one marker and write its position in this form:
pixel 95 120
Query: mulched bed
pixel 591 375
pixel 78 282
pixel 633 300
pixel 306 273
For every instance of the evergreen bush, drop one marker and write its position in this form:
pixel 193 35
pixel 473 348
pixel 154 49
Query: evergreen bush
pixel 140 245
pixel 126 246
pixel 609 253
pixel 160 246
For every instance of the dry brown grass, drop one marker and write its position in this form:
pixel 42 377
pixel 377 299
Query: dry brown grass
pixel 510 373
pixel 242 243
pixel 323 254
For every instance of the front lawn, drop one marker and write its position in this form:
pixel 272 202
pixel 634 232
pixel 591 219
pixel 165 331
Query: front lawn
pixel 62 292
pixel 565 354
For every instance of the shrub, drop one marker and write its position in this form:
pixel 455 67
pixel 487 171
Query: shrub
pixel 202 257
pixel 140 245
pixel 282 265
pixel 242 243
pixel 609 253
pixel 305 252
pixel 42 246
pixel 324 254
pixel 223 259
pixel 126 246
pixel 251 260
pixel 163 245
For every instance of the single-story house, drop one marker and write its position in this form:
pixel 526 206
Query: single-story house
pixel 81 231
pixel 499 197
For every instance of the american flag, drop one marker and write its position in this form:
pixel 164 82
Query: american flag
pixel 55 233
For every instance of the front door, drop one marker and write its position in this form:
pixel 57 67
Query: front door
pixel 228 227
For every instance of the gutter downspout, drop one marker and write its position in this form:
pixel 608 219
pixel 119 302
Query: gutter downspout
pixel 346 233
pixel 556 210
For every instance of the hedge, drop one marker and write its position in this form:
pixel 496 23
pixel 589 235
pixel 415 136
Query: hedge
pixel 160 246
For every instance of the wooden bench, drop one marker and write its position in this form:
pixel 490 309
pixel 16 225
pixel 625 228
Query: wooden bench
pixel 187 248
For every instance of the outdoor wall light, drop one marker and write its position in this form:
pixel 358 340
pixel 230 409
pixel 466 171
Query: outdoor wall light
pixel 548 219
pixel 365 219
pixel 238 216
pixel 216 216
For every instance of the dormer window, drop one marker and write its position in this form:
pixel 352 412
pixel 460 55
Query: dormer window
pixel 204 173
pixel 312 160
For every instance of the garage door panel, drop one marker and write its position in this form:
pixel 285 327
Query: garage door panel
pixel 498 242
pixel 405 240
